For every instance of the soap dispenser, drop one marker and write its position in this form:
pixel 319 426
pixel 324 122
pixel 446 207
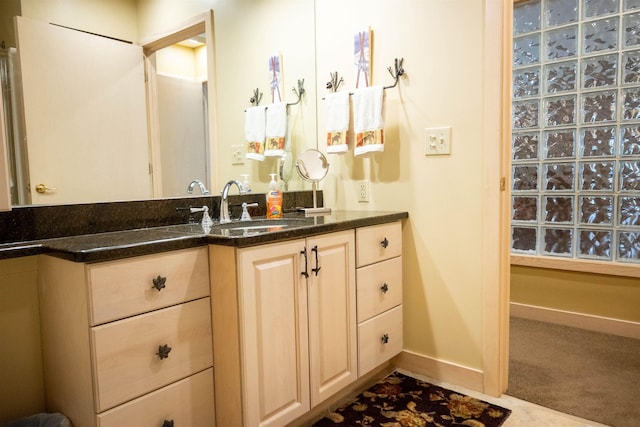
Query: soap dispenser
pixel 246 187
pixel 274 199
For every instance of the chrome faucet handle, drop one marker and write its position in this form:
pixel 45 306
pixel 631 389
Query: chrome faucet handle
pixel 245 214
pixel 207 222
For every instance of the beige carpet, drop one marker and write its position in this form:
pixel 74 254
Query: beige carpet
pixel 587 374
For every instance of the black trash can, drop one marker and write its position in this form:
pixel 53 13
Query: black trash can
pixel 41 420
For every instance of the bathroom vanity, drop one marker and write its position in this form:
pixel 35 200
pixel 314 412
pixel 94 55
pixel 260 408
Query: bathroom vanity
pixel 128 342
pixel 287 335
pixel 249 324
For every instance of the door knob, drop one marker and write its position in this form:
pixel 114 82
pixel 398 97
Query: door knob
pixel 42 188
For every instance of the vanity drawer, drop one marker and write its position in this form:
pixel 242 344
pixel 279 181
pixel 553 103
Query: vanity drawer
pixel 188 402
pixel 379 287
pixel 122 288
pixel 126 362
pixel 378 242
pixel 372 334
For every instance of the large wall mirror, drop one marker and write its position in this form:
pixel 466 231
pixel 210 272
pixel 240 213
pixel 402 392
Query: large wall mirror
pixel 202 59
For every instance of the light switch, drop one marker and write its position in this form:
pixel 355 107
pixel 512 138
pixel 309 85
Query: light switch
pixel 438 141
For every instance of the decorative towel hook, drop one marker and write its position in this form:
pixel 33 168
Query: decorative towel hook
pixel 396 74
pixel 299 92
pixel 334 83
pixel 399 71
pixel 256 98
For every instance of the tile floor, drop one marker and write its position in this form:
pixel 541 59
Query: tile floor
pixel 523 414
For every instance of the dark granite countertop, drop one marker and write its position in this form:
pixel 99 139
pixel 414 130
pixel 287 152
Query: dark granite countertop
pixel 142 241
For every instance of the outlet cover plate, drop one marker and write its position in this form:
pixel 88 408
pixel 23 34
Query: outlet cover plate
pixel 363 191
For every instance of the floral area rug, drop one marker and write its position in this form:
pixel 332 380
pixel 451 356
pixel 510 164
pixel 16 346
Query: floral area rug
pixel 399 400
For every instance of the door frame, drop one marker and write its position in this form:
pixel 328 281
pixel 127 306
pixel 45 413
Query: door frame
pixel 202 23
pixel 5 196
pixel 497 130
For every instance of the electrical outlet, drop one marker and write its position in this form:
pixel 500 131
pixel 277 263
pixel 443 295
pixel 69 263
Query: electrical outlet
pixel 363 191
pixel 237 155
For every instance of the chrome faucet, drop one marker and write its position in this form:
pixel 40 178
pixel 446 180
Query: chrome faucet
pixel 199 183
pixel 224 201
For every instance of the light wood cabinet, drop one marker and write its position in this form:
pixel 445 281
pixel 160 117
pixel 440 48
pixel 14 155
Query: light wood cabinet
pixel 379 283
pixel 129 340
pixel 188 402
pixel 284 318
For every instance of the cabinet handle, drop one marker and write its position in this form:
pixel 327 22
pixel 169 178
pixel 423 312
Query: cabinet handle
pixel 305 273
pixel 315 270
pixel 159 283
pixel 385 338
pixel 167 423
pixel 163 351
pixel 384 288
pixel 385 243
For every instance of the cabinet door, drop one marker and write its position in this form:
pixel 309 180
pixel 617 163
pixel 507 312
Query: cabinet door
pixel 332 314
pixel 273 330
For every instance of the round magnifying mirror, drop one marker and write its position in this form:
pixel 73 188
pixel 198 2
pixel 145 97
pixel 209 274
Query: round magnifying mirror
pixel 312 166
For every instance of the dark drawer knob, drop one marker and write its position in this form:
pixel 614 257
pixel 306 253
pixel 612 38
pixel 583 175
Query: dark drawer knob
pixel 163 351
pixel 167 423
pixel 384 288
pixel 159 283
pixel 385 338
pixel 385 243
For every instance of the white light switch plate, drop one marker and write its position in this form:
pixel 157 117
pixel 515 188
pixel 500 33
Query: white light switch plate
pixel 437 141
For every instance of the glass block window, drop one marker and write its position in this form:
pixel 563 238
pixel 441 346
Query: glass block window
pixel 576 129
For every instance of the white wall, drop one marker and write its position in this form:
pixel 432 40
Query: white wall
pixel 21 387
pixel 442 46
pixel 118 20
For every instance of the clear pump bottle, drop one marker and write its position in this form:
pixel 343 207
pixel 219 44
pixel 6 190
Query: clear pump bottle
pixel 246 187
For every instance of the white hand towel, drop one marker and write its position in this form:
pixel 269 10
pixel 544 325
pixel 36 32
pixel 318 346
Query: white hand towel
pixel 276 129
pixel 368 123
pixel 254 132
pixel 337 116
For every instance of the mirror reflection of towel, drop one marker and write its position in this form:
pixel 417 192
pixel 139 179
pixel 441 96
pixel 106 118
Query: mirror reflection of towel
pixel 337 121
pixel 276 129
pixel 368 123
pixel 254 132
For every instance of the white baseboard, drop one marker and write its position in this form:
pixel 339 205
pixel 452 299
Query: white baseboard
pixel 440 370
pixel 589 322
